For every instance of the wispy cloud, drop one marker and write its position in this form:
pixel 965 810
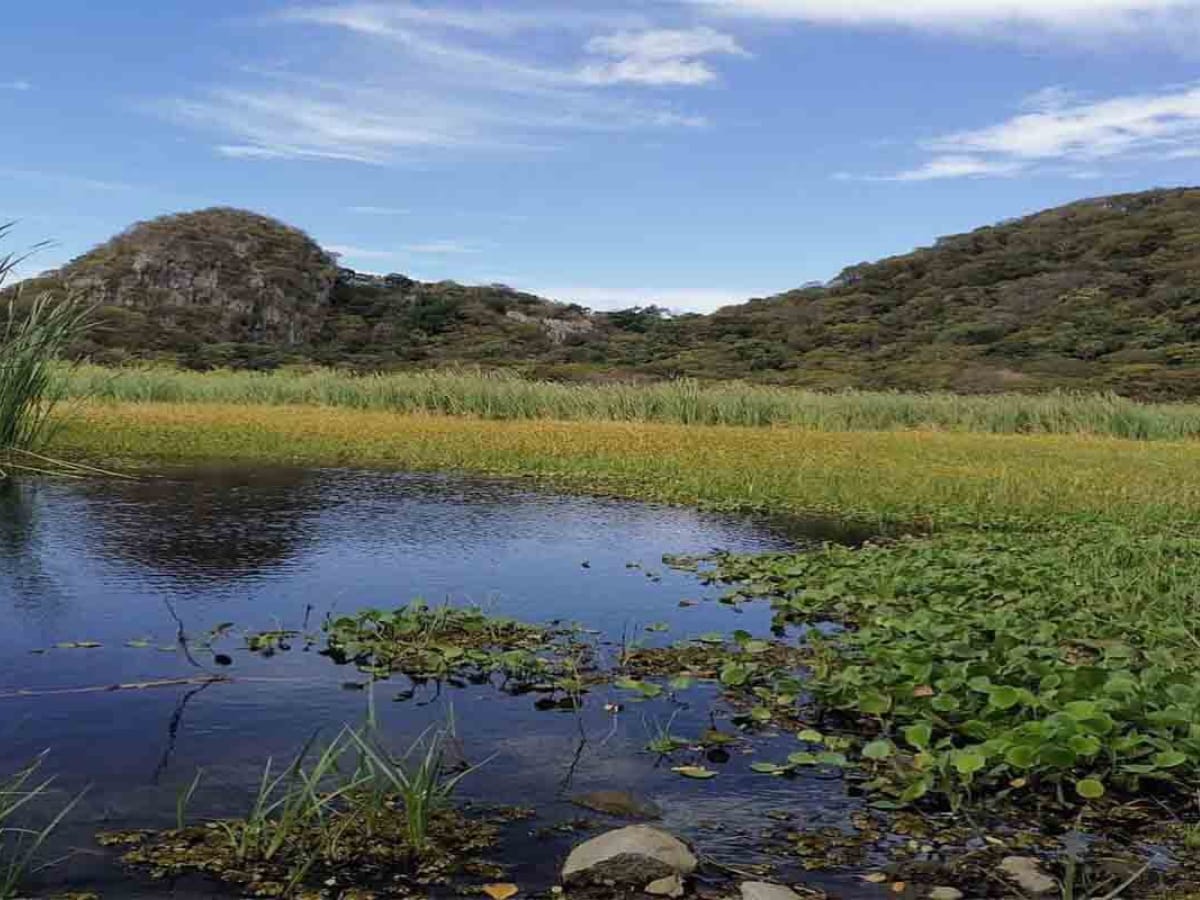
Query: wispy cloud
pixel 941 167
pixel 17 85
pixel 677 299
pixel 378 210
pixel 378 83
pixel 440 248
pixel 424 248
pixel 62 179
pixel 658 57
pixel 349 250
pixel 992 17
pixel 1062 131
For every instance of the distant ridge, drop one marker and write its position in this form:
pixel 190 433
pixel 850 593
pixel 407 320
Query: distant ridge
pixel 1099 295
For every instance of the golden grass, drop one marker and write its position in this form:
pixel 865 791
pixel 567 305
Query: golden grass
pixel 939 478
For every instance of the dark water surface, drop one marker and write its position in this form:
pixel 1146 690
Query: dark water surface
pixel 113 562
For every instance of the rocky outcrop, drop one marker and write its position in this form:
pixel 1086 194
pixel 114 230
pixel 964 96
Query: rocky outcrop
pixel 557 328
pixel 226 274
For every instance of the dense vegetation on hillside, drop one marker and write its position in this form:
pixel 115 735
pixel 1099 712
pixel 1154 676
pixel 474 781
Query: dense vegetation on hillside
pixel 1101 295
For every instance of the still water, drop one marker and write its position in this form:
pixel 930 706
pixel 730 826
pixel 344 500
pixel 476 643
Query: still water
pixel 120 562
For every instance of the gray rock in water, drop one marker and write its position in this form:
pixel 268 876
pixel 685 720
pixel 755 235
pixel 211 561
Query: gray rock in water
pixel 1028 874
pixel 761 890
pixel 671 886
pixel 634 857
pixel 945 893
pixel 621 804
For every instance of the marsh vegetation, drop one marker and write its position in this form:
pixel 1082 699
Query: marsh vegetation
pixel 502 396
pixel 1002 662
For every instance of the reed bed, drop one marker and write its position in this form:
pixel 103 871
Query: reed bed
pixel 503 396
pixel 928 477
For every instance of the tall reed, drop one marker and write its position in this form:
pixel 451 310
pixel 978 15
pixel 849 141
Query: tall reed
pixel 492 395
pixel 33 336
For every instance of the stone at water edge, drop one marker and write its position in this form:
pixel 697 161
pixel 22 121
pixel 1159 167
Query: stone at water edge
pixel 1028 874
pixel 621 804
pixel 945 893
pixel 671 886
pixel 761 890
pixel 635 856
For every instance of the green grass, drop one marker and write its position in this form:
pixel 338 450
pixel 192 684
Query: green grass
pixel 504 396
pixel 21 842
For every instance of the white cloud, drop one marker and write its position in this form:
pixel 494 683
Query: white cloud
pixel 18 85
pixel 349 250
pixel 658 57
pixel 440 248
pixel 431 248
pixel 378 210
pixel 677 299
pixel 1143 123
pixel 956 167
pixel 1073 16
pixel 379 83
pixel 62 179
pixel 385 18
pixel 1064 131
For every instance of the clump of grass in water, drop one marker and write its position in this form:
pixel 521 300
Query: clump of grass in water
pixel 20 844
pixel 32 339
pixel 352 813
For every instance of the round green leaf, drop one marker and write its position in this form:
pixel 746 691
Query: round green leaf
pixel 1057 757
pixel 919 735
pixel 1169 759
pixel 878 750
pixel 1004 697
pixel 967 762
pixel 874 704
pixel 1090 788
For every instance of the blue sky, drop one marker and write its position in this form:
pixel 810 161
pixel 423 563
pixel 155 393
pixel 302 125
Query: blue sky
pixel 687 152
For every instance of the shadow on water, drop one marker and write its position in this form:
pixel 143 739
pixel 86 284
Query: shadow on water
pixel 115 569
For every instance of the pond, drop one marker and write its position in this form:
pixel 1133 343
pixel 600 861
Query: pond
pixel 98 578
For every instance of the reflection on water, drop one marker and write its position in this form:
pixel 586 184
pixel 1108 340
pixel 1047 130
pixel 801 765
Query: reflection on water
pixel 117 562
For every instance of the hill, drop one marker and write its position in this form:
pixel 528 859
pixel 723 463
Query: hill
pixel 1099 294
pixel 227 287
pixel 1103 294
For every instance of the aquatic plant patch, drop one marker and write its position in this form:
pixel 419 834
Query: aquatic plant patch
pixel 760 679
pixel 446 642
pixel 1001 663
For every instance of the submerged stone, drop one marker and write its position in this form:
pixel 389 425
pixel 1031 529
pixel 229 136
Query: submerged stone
pixel 671 886
pixel 621 804
pixel 761 890
pixel 1027 873
pixel 633 857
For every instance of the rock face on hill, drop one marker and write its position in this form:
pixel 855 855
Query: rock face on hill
pixel 221 275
